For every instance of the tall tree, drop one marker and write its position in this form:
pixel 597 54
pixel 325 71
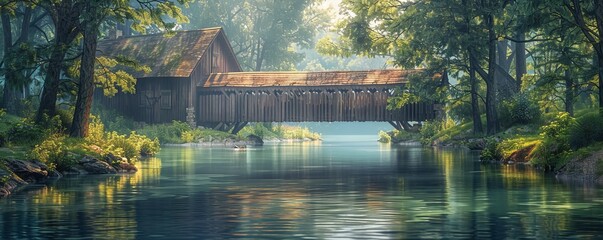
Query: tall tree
pixel 263 33
pixel 459 35
pixel 18 54
pixel 588 17
pixel 65 15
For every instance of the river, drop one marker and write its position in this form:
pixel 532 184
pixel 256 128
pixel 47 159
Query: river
pixel 346 187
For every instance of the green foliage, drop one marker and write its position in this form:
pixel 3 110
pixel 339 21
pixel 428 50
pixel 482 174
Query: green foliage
pixel 550 154
pixel 559 127
pixel 25 133
pixel 384 137
pixel 435 130
pixel 264 34
pixel 491 151
pixel 519 110
pixel 428 131
pixel 269 131
pixel 129 146
pixel 54 152
pixel 166 133
pixel 587 130
pixel 291 132
pixel 258 129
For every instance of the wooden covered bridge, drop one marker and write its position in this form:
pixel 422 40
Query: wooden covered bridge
pixel 196 78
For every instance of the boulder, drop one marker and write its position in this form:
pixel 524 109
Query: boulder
pixel 125 167
pixel 94 166
pixel 29 171
pixel 255 140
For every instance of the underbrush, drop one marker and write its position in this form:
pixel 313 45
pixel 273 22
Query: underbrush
pixel 50 144
pixel 396 136
pixel 278 131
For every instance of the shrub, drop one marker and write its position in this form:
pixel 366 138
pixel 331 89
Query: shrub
pixel 65 119
pixel 96 131
pixel 54 152
pixel 549 154
pixel 384 137
pixel 519 110
pixel 587 130
pixel 24 133
pixel 429 130
pixel 188 136
pixel 166 133
pixel 491 151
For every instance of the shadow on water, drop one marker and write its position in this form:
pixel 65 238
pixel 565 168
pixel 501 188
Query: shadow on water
pixel 339 188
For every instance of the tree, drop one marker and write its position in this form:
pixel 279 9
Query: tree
pixel 18 54
pixel 263 33
pixel 65 15
pixel 455 35
pixel 588 17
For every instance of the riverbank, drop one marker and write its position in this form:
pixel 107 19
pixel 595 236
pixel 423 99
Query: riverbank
pixel 16 174
pixel 570 147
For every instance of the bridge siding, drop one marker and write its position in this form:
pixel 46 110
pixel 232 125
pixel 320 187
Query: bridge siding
pixel 297 106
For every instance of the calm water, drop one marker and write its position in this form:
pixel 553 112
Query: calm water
pixel 340 188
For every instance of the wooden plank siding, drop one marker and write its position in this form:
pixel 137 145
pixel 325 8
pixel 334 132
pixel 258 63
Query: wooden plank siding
pixel 294 105
pixel 140 106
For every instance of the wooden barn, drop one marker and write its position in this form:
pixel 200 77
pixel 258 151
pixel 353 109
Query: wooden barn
pixel 196 78
pixel 178 62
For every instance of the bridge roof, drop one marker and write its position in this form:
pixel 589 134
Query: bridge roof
pixel 309 79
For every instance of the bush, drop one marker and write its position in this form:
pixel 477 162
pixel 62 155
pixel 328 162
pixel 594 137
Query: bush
pixel 491 151
pixel 429 130
pixel 549 154
pixel 384 137
pixel 24 133
pixel 519 110
pixel 587 130
pixel 54 152
pixel 166 133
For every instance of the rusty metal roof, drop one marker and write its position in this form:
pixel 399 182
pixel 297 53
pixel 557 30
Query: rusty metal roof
pixel 174 56
pixel 309 79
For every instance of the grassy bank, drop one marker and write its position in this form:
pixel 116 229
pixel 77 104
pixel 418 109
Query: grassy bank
pixel 49 143
pixel 180 133
pixel 554 142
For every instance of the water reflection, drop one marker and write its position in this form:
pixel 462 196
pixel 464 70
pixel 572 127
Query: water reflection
pixel 333 189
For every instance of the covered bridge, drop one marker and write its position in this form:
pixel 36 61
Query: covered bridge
pixel 196 78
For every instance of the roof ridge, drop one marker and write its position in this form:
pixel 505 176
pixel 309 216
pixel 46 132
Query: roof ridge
pixel 306 72
pixel 161 33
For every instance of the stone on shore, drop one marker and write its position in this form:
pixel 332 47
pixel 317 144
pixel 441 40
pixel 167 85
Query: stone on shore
pixel 94 166
pixel 255 140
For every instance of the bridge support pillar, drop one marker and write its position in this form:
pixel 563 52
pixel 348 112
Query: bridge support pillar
pixel 405 126
pixel 238 127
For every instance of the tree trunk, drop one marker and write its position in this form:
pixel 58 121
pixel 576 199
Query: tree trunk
pixel 83 104
pixel 9 96
pixel 51 85
pixel 600 71
pixel 65 16
pixel 491 83
pixel 520 58
pixel 477 120
pixel 569 93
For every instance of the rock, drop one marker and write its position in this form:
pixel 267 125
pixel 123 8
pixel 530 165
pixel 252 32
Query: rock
pixel 74 170
pixel 95 166
pixel 29 171
pixel 255 140
pixel 110 158
pixel 125 167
